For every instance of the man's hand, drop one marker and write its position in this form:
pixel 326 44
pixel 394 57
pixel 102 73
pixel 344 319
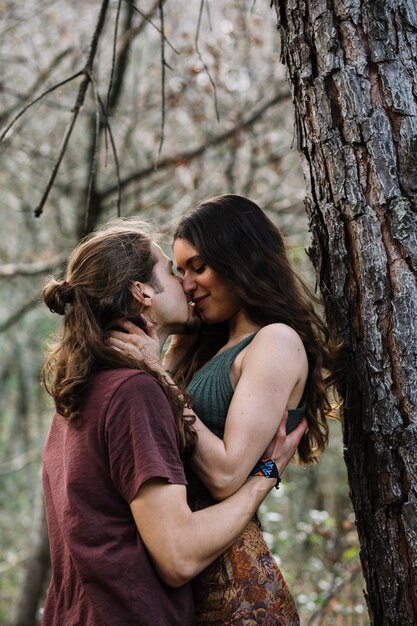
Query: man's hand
pixel 178 347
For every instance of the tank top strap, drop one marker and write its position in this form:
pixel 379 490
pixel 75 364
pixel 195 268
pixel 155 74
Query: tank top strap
pixel 231 353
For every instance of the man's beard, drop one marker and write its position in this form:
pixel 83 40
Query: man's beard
pixel 191 326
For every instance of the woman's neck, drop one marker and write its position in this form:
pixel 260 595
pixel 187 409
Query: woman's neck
pixel 240 327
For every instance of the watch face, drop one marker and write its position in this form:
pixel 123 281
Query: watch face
pixel 265 467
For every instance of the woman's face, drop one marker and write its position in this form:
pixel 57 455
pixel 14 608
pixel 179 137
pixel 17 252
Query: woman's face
pixel 211 295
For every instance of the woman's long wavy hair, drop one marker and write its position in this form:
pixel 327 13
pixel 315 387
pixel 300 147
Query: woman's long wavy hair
pixel 95 294
pixel 241 244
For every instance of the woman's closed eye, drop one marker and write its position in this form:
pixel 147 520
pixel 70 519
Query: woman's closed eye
pixel 200 268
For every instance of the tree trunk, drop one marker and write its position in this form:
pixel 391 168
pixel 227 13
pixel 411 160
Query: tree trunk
pixel 37 569
pixel 353 68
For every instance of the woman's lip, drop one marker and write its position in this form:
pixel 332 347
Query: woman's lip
pixel 197 301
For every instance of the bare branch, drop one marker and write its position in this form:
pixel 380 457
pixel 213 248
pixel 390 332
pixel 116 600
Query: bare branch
pixel 116 162
pixel 96 36
pixel 39 209
pixel 45 93
pixel 131 33
pixel 163 64
pixel 10 270
pixel 95 146
pixel 148 19
pixel 91 217
pixel 38 82
pixel 18 315
pixel 116 28
pixel 78 104
pixel 200 56
pixel 189 155
pixel 252 9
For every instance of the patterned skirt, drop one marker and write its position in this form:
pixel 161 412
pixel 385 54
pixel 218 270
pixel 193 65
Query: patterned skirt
pixel 244 586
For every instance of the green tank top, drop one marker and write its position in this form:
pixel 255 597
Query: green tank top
pixel 212 391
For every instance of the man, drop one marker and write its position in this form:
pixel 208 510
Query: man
pixel 124 543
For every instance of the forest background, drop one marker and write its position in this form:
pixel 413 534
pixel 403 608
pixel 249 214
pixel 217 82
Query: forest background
pixel 197 103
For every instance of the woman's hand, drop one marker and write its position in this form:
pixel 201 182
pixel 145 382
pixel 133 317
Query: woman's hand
pixel 178 347
pixel 283 447
pixel 141 345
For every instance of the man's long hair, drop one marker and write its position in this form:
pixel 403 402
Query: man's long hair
pixel 95 293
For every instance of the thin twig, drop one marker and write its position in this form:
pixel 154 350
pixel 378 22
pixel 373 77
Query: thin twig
pixel 148 19
pixel 93 167
pixel 38 82
pixel 113 60
pixel 116 160
pixel 209 16
pixel 78 104
pixel 45 93
pixel 109 90
pixel 197 35
pixel 189 155
pixel 39 209
pixel 163 103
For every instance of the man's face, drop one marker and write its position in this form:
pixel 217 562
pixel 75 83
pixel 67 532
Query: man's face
pixel 170 308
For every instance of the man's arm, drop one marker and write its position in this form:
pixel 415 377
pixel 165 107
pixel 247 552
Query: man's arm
pixel 181 542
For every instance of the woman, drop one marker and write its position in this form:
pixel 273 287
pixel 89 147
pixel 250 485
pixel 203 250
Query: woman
pixel 261 347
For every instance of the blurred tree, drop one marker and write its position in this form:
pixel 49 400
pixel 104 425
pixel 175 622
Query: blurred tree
pixel 352 67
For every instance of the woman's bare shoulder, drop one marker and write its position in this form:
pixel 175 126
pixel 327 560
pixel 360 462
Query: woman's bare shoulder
pixel 278 334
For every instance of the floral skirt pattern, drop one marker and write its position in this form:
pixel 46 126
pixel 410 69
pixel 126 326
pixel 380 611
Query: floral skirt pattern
pixel 244 586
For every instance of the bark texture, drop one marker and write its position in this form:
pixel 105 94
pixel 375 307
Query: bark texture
pixel 353 69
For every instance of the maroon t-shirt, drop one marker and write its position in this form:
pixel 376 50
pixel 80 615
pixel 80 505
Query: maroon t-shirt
pixel 101 571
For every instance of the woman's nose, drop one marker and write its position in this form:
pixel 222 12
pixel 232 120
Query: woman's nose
pixel 188 284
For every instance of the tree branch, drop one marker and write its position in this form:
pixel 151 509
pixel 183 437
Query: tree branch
pixel 10 270
pixel 30 104
pixel 38 82
pixel 18 315
pixel 88 72
pixel 189 155
pixel 163 66
pixel 148 19
pixel 200 56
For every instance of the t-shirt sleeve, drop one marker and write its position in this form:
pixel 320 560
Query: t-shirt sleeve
pixel 141 436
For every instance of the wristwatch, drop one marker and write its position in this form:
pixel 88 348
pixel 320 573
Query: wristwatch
pixel 267 467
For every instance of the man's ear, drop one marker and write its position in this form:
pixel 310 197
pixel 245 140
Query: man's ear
pixel 143 293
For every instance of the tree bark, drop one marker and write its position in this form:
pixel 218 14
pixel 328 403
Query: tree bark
pixel 353 67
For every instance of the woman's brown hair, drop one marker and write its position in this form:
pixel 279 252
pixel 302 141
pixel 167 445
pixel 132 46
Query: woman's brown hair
pixel 96 293
pixel 243 246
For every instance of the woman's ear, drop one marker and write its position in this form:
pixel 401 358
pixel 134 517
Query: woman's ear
pixel 142 293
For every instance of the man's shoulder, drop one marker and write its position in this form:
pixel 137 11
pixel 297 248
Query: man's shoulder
pixel 106 384
pixel 117 376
